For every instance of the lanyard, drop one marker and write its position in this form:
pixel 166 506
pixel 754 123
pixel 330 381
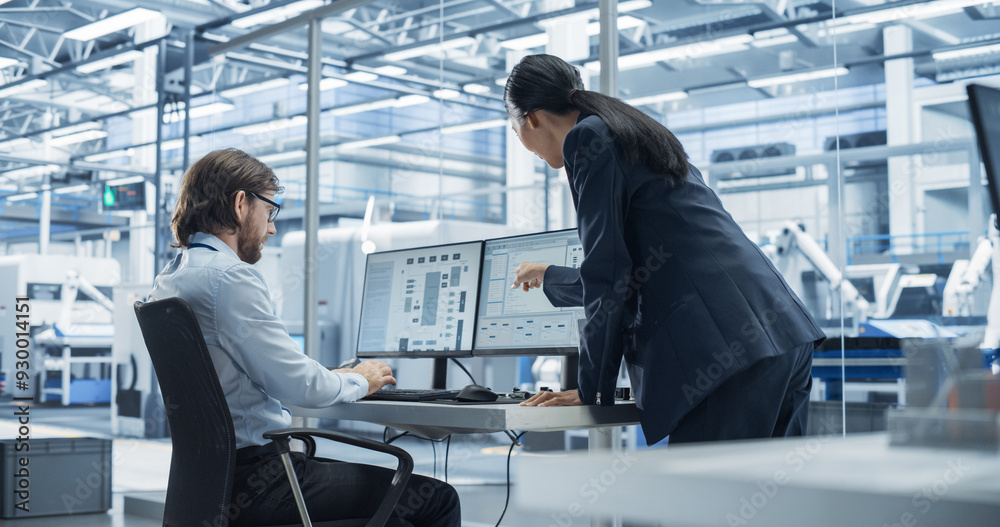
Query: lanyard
pixel 193 245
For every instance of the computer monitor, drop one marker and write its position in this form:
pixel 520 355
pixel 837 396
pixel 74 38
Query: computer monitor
pixel 420 302
pixel 984 106
pixel 515 322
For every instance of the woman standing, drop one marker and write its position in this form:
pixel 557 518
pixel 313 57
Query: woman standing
pixel 716 344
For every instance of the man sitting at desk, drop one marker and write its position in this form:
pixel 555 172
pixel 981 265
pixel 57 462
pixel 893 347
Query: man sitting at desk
pixel 224 215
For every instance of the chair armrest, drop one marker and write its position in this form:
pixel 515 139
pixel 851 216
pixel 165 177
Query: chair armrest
pixel 404 467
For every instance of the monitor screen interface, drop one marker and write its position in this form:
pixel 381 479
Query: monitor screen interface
pixel 420 302
pixel 515 322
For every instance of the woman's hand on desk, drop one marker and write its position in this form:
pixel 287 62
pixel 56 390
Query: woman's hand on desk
pixel 529 275
pixel 377 372
pixel 545 398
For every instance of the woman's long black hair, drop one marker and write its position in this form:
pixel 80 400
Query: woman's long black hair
pixel 546 82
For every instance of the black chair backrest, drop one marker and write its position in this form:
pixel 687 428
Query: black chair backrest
pixel 204 445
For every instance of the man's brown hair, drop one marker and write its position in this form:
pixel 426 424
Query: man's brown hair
pixel 205 201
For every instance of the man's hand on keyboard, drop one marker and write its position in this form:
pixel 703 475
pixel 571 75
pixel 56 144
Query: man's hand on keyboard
pixel 377 372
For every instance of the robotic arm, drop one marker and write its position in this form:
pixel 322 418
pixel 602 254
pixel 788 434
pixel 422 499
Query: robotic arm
pixel 794 236
pixel 75 282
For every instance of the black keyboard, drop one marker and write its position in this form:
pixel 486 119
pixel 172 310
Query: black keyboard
pixel 406 394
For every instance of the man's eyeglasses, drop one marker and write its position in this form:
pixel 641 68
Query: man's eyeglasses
pixel 272 214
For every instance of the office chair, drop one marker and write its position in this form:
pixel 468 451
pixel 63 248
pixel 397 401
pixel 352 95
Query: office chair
pixel 202 466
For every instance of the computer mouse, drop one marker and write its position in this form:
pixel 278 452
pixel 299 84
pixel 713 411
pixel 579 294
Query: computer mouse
pixel 475 393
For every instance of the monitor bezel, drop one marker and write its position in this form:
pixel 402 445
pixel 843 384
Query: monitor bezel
pixel 517 352
pixel 418 354
pixel 991 165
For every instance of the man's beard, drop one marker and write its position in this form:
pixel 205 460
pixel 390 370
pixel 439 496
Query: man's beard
pixel 248 246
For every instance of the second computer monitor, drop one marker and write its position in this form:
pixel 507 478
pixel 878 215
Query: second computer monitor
pixel 420 302
pixel 515 322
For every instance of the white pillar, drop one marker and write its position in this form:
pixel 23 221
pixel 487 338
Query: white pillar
pixel 44 219
pixel 568 40
pixel 141 241
pixel 525 208
pixel 900 129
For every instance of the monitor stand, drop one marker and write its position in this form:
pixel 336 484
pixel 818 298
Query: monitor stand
pixel 570 372
pixel 439 374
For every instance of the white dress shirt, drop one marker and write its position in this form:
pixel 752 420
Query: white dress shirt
pixel 258 364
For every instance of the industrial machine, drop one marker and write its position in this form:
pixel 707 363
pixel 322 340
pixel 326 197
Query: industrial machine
pixel 794 237
pixel 137 408
pixel 70 323
pixel 968 280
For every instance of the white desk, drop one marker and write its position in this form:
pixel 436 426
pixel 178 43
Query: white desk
pixel 820 481
pixel 438 420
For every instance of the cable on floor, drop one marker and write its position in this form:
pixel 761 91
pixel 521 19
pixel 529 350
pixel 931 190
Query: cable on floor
pixel 514 442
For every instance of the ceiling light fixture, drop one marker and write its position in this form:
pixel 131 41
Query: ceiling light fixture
pixel 661 97
pixel 281 156
pixel 271 126
pixel 15 144
pixel 107 62
pixel 798 77
pixel 469 127
pixel 966 52
pixel 590 14
pixel 32 171
pixel 124 181
pixel 174 144
pixel 542 39
pixel 476 89
pixel 23 197
pixel 527 42
pixel 391 102
pixel 71 190
pixel 6 62
pixel 685 51
pixel 428 49
pixel 327 83
pixel 104 156
pixel 231 93
pixel 80 137
pixel 390 71
pixel 82 127
pixel 773 37
pixel 279 14
pixel 915 11
pixel 445 93
pixel 32 85
pixel 361 76
pixel 112 24
pixel 365 143
pixel 200 111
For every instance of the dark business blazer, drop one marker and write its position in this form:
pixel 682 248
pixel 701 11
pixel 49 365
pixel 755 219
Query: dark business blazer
pixel 670 281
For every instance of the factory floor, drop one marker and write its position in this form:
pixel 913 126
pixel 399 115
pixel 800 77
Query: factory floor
pixel 477 469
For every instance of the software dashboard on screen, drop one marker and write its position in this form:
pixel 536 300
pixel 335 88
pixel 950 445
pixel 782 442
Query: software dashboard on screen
pixel 512 321
pixel 420 302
